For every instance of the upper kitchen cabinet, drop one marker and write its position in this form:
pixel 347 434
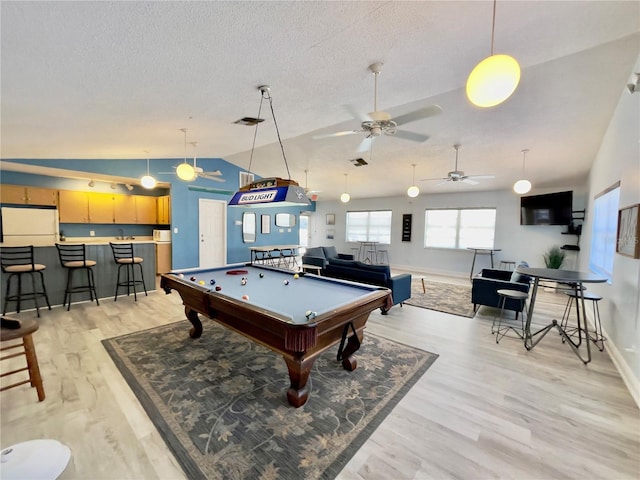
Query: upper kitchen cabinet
pixel 23 195
pixel 146 210
pixel 163 205
pixel 124 209
pixel 85 207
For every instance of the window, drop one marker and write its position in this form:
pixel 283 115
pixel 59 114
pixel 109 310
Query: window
pixel 369 226
pixel 604 230
pixel 453 228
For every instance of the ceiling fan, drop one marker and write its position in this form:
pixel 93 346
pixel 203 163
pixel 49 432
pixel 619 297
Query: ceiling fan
pixel 214 175
pixel 378 122
pixel 458 175
pixel 307 190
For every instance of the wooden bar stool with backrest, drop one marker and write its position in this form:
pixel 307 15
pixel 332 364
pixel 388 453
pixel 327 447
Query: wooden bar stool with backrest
pixel 23 332
pixel 73 257
pixel 19 261
pixel 124 257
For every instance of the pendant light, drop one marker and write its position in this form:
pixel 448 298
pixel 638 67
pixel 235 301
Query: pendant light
pixel 495 78
pixel 413 191
pixel 147 181
pixel 185 171
pixel 522 186
pixel 345 197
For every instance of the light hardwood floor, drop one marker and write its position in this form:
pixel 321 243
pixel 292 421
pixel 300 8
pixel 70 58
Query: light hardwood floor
pixel 483 410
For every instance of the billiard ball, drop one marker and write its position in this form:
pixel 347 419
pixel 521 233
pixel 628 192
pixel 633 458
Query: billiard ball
pixel 310 314
pixel 262 275
pixel 201 282
pixel 193 279
pixel 181 275
pixel 218 288
pixel 212 281
pixel 296 276
pixel 245 297
pixel 286 282
pixel 243 281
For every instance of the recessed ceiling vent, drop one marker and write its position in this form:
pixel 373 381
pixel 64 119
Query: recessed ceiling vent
pixel 249 121
pixel 358 162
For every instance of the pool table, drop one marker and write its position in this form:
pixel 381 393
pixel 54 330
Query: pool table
pixel 298 318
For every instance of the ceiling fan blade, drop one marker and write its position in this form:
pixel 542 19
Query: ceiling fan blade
pixel 337 134
pixel 413 136
pixel 362 117
pixel 366 144
pixel 470 182
pixel 482 177
pixel 431 179
pixel 215 178
pixel 425 112
pixel 442 183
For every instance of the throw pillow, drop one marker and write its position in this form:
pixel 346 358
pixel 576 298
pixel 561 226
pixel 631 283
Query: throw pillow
pixel 518 277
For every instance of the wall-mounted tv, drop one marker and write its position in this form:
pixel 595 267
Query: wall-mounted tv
pixel 547 209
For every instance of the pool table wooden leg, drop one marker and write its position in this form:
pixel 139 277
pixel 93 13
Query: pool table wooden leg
pixel 349 363
pixel 298 392
pixel 192 316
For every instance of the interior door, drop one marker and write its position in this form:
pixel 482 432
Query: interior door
pixel 212 233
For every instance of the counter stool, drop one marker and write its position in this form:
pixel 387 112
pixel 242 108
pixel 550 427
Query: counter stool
pixel 507 264
pixel 19 261
pixel 26 328
pixel 383 257
pixel 73 258
pixel 500 330
pixel 123 256
pixel 598 339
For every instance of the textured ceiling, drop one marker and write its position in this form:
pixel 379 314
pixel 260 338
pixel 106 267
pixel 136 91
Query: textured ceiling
pixel 112 79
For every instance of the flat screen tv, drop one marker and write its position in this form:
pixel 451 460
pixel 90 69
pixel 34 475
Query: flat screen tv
pixel 547 209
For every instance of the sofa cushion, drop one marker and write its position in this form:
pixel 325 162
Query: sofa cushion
pixel 374 268
pixel 518 277
pixel 314 252
pixel 342 263
pixel 330 252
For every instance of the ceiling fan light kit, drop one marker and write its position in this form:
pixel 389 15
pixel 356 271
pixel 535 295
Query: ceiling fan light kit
pixel 495 78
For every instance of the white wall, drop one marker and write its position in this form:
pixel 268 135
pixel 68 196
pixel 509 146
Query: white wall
pixel 516 242
pixel 619 160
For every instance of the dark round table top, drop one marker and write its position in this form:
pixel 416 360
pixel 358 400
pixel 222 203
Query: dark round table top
pixel 558 275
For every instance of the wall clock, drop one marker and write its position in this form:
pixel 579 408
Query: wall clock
pixel 628 231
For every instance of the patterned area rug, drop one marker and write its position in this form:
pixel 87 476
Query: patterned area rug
pixel 443 297
pixel 220 401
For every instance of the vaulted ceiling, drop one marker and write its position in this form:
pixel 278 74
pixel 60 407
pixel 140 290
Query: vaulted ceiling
pixel 110 80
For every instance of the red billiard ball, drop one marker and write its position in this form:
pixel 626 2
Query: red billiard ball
pixel 245 297
pixel 218 288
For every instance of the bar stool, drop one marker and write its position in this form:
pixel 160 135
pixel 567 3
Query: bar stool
pixel 507 264
pixel 598 339
pixel 383 257
pixel 23 332
pixel 74 258
pixel 499 330
pixel 19 261
pixel 124 257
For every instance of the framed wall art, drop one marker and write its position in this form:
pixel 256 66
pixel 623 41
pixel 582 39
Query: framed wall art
pixel 331 218
pixel 628 231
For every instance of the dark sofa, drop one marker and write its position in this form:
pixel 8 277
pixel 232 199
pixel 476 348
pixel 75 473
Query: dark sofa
pixel 344 267
pixel 485 286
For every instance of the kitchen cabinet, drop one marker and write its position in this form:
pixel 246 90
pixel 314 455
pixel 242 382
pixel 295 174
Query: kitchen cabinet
pixel 145 210
pixel 101 208
pixel 163 205
pixel 163 258
pixel 73 206
pixel 23 195
pixel 124 209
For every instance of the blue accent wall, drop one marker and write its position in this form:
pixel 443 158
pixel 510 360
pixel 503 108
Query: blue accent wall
pixel 184 202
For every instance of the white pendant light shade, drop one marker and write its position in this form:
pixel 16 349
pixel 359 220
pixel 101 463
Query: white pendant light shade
pixel 186 172
pixel 413 191
pixel 493 80
pixel 147 181
pixel 522 186
pixel 345 197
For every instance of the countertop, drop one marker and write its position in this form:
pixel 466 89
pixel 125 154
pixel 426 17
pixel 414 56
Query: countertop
pixel 91 241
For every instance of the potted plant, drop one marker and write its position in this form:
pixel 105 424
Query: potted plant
pixel 554 257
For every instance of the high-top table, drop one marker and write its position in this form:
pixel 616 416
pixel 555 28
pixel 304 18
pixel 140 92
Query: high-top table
pixel 481 251
pixel 575 281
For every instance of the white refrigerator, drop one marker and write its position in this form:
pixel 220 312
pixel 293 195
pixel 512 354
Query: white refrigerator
pixel 30 226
